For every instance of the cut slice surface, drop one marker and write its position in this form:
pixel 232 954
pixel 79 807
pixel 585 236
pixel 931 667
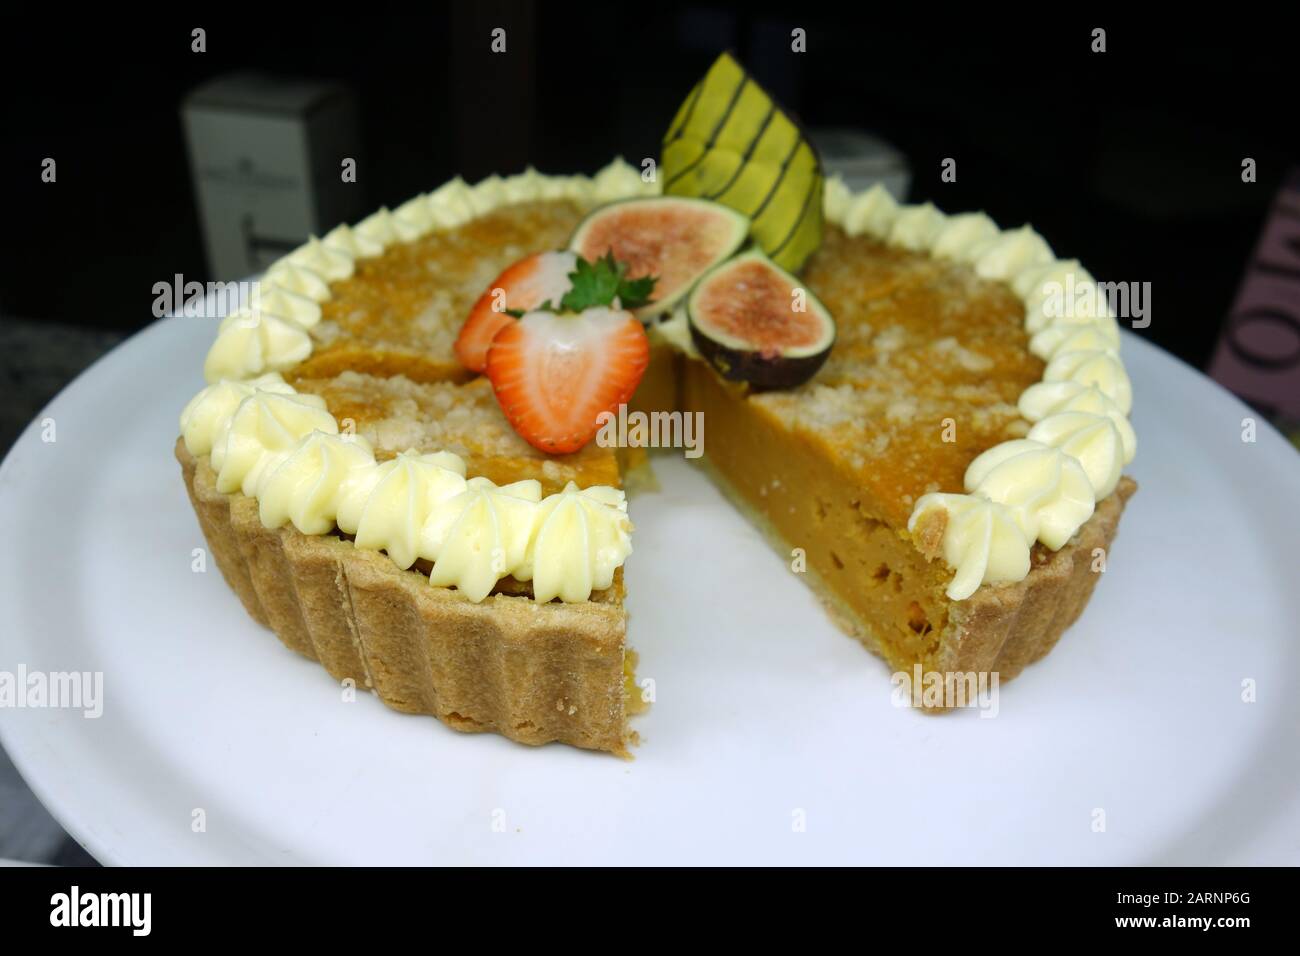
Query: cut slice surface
pixel 675 240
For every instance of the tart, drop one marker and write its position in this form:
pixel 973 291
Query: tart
pixel 836 467
pixel 377 361
pixel 948 474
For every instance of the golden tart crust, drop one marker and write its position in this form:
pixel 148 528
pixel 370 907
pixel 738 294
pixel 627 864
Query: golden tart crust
pixel 382 361
pixel 532 672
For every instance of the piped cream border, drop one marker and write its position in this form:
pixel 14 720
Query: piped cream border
pixel 1017 492
pixel 285 450
pixel 271 333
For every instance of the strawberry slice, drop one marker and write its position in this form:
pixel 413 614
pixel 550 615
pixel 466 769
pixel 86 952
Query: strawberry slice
pixel 554 374
pixel 528 283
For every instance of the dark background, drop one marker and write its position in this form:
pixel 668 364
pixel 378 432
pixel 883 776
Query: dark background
pixel 1129 160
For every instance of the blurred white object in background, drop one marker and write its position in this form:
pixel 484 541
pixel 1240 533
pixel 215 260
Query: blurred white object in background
pixel 266 157
pixel 862 160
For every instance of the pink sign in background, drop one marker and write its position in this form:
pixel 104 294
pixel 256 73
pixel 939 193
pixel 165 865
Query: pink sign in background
pixel 1258 353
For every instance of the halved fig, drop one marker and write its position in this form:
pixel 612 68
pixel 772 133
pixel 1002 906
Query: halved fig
pixel 674 239
pixel 756 323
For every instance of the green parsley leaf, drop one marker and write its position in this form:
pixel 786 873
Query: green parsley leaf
pixel 634 293
pixel 599 283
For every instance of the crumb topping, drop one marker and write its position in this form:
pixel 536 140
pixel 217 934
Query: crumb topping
pixel 924 376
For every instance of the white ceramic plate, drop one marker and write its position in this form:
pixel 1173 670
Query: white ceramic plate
pixel 774 737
